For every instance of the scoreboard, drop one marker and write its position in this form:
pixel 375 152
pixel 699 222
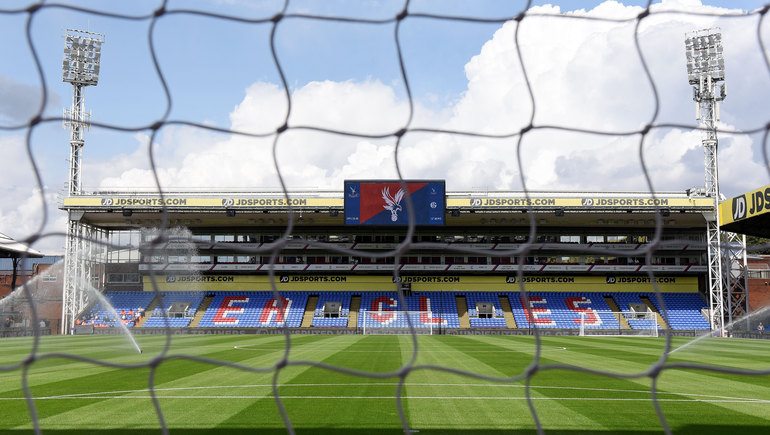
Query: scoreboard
pixel 384 203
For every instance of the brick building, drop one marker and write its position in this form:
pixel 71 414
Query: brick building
pixel 759 282
pixel 44 278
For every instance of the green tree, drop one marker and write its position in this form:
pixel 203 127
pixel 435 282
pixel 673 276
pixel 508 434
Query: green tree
pixel 757 245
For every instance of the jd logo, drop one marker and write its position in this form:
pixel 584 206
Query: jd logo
pixel 588 202
pixel 107 201
pixel 228 202
pixel 475 202
pixel 510 280
pixel 739 207
pixel 170 278
pixel 611 280
pixel 284 278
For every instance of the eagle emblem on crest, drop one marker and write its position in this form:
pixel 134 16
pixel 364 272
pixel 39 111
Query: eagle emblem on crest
pixel 393 203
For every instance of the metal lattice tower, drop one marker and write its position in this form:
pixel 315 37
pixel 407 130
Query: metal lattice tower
pixel 726 251
pixel 80 68
pixel 705 71
pixel 736 277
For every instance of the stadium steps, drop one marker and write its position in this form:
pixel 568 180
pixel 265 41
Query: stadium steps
pixel 87 309
pixel 616 309
pixel 355 305
pixel 505 304
pixel 148 311
pixel 661 321
pixel 307 318
pixel 462 311
pixel 201 311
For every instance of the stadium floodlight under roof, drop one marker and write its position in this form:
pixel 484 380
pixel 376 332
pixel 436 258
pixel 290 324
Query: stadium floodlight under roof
pixel 82 54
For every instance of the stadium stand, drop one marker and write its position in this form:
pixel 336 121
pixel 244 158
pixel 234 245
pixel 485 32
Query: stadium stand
pixel 556 310
pixel 441 307
pixel 562 310
pixel 254 309
pixel 162 312
pixel 683 310
pixel 322 320
pixel 496 321
pixel 624 301
pixel 100 315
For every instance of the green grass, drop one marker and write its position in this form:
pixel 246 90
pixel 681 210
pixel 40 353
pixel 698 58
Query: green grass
pixel 201 397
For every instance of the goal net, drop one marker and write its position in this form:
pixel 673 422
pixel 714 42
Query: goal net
pixel 397 322
pixel 619 323
pixel 303 124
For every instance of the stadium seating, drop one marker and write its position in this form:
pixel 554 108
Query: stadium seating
pixel 496 321
pixel 442 308
pixel 159 314
pixel 230 309
pixel 683 310
pixel 562 310
pixel 120 301
pixel 318 316
pixel 254 309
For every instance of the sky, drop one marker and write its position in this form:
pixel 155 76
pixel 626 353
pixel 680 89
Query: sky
pixel 462 76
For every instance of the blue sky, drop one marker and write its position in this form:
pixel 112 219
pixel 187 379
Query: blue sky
pixel 584 73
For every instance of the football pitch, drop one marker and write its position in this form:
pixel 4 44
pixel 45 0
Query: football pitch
pixel 229 388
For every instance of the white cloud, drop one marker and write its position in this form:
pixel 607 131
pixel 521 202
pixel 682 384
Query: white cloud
pixel 584 74
pixel 22 214
pixel 25 221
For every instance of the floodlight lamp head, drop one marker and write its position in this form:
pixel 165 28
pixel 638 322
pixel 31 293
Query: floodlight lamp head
pixel 82 55
pixel 705 59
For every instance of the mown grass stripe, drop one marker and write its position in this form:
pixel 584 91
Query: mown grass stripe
pixel 197 396
pixel 170 372
pixel 309 412
pixel 478 408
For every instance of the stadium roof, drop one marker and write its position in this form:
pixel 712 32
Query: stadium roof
pixel 748 213
pixel 10 248
pixel 28 264
pixel 123 210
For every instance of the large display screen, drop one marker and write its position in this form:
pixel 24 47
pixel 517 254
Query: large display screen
pixel 384 202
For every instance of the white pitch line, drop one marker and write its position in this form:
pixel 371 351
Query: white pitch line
pixel 602 399
pixel 421 349
pixel 123 393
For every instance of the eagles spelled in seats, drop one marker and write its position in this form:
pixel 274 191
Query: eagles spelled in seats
pixel 230 305
pixel 381 305
pixel 262 309
pixel 275 310
pixel 537 308
pixel 255 309
pixel 382 310
pixel 427 317
pixel 575 303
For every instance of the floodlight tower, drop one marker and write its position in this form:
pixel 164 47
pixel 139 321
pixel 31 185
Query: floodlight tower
pixel 80 68
pixel 706 72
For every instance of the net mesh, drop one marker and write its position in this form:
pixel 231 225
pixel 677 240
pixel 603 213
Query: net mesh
pixel 274 20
